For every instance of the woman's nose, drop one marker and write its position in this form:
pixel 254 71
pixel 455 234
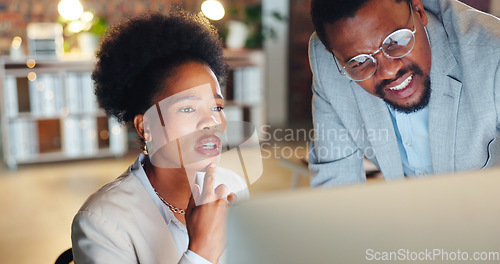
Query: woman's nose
pixel 210 119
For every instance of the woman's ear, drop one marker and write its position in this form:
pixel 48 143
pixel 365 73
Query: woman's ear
pixel 139 125
pixel 418 9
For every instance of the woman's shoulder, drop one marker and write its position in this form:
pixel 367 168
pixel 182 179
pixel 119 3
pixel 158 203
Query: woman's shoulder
pixel 113 195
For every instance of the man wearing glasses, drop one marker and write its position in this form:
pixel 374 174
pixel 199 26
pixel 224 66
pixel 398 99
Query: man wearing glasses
pixel 412 85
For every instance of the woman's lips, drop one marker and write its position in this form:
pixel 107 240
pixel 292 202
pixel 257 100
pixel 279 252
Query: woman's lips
pixel 208 146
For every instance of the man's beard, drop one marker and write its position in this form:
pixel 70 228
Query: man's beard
pixel 424 99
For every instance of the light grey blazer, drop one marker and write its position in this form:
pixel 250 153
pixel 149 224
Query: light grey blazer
pixel 120 223
pixel 464 108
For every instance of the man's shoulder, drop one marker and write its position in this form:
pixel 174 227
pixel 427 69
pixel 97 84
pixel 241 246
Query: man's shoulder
pixel 464 25
pixel 318 51
pixel 323 65
pixel 315 42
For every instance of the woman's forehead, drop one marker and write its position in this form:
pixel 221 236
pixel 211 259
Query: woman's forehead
pixel 199 93
pixel 190 78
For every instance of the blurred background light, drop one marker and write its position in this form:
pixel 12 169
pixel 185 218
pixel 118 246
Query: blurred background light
pixel 87 16
pixel 70 9
pixel 16 42
pixel 213 9
pixel 76 26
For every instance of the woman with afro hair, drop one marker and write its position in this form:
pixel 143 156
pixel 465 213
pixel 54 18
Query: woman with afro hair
pixel 162 73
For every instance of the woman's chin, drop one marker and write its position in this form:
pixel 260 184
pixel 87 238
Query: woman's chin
pixel 202 165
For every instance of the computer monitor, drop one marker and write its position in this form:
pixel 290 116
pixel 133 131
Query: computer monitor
pixel 438 219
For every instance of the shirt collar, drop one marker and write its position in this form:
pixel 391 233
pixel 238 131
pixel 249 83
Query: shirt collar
pixel 138 170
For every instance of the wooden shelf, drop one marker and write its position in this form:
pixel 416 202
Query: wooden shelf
pixel 61 156
pixel 243 58
pixel 31 116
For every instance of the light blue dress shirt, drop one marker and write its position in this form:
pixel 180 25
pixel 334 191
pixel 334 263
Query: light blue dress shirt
pixel 412 133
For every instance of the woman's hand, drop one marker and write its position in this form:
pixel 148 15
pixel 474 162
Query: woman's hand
pixel 206 223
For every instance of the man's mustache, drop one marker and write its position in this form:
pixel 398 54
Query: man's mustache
pixel 411 68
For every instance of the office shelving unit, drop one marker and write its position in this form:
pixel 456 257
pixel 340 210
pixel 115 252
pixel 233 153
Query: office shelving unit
pixel 245 90
pixel 49 113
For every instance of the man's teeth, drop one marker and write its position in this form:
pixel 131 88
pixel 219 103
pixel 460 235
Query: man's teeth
pixel 402 85
pixel 209 146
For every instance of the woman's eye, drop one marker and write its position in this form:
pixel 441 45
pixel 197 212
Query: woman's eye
pixel 218 108
pixel 186 110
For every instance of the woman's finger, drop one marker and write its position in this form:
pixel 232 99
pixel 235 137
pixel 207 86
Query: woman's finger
pixel 221 192
pixel 208 182
pixel 196 193
pixel 232 198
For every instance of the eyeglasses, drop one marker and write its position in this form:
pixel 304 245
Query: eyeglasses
pixel 397 45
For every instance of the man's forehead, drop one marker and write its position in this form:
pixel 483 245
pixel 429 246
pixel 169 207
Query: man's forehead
pixel 365 31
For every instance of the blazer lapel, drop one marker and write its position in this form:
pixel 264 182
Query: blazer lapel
pixel 376 118
pixel 152 224
pixel 445 96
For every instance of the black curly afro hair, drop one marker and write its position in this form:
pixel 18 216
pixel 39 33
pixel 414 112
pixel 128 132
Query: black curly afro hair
pixel 137 56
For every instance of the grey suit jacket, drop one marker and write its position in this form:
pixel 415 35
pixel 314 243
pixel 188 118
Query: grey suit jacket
pixel 464 108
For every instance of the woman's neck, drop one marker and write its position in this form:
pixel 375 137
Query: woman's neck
pixel 172 184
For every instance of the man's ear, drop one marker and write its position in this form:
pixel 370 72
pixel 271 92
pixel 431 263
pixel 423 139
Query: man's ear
pixel 419 11
pixel 139 125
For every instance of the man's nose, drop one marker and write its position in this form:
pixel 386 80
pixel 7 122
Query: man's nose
pixel 387 68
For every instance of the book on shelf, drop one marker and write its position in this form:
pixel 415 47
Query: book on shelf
pixel 46 95
pixel 247 86
pixel 88 128
pixel 80 96
pixel 117 136
pixel 35 97
pixel 80 136
pixel 88 97
pixel 11 107
pixel 54 99
pixel 34 144
pixel 24 141
pixel 71 143
pixel 234 116
pixel 73 98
